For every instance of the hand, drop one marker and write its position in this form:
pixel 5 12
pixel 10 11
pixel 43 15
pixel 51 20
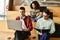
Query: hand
pixel 25 29
pixel 40 33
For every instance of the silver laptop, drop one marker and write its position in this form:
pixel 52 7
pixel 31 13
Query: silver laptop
pixel 14 24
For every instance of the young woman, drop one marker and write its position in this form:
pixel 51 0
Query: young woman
pixel 35 11
pixel 45 26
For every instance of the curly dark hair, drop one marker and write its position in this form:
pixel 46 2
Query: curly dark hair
pixel 37 5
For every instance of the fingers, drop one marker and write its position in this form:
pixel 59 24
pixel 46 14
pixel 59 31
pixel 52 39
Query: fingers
pixel 40 33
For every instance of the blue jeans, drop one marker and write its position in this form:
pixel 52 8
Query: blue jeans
pixel 45 36
pixel 35 19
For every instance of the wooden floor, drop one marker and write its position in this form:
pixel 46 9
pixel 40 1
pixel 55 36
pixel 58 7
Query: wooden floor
pixel 10 35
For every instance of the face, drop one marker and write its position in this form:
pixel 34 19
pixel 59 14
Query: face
pixel 33 5
pixel 45 15
pixel 22 12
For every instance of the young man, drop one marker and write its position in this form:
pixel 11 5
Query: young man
pixel 45 26
pixel 26 26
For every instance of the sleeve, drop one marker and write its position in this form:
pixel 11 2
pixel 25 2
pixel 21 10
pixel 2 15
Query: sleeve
pixel 30 24
pixel 52 28
pixel 37 25
pixel 18 18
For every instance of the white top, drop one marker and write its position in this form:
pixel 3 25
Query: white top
pixel 23 24
pixel 46 24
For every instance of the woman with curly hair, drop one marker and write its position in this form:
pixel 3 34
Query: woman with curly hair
pixel 35 11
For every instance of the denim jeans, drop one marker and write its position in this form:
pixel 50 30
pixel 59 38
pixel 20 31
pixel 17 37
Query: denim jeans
pixel 35 19
pixel 45 36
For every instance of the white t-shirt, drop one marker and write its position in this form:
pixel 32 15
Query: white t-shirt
pixel 23 24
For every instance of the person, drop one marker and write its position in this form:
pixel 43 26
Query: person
pixel 45 26
pixel 26 26
pixel 35 11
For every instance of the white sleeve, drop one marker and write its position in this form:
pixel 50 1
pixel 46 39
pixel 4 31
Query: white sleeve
pixel 52 28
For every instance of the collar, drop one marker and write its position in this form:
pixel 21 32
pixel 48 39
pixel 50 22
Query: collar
pixel 44 19
pixel 22 17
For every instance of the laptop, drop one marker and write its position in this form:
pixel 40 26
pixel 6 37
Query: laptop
pixel 14 24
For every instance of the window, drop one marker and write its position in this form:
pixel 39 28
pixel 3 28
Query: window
pixel 2 10
pixel 3 4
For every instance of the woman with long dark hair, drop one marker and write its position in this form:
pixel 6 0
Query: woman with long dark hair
pixel 35 11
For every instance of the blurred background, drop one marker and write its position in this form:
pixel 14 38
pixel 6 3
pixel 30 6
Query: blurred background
pixel 9 9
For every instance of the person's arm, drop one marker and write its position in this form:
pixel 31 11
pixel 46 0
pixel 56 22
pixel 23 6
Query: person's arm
pixel 18 18
pixel 37 25
pixel 30 24
pixel 52 29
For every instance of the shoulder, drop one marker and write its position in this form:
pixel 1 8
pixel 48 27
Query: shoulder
pixel 27 17
pixel 40 19
pixel 51 20
pixel 18 18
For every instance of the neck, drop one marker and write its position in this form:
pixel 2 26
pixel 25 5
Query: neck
pixel 45 18
pixel 23 15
